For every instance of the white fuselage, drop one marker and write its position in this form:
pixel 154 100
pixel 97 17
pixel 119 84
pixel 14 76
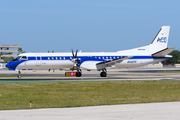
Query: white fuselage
pixel 89 60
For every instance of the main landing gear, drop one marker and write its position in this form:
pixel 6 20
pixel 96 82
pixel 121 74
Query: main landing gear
pixel 103 73
pixel 78 74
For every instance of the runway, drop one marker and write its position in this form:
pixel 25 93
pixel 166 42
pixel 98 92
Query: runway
pixel 148 111
pixel 113 75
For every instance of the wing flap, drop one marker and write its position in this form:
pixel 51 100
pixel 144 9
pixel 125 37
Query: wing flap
pixel 111 63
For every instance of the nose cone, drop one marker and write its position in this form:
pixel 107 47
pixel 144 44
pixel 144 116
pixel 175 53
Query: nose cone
pixel 11 66
pixel 8 65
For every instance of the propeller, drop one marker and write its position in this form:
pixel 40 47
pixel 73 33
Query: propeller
pixel 75 60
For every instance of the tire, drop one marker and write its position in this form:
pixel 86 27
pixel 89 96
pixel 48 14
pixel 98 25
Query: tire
pixel 103 74
pixel 19 76
pixel 78 74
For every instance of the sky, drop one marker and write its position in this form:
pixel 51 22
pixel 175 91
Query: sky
pixel 87 25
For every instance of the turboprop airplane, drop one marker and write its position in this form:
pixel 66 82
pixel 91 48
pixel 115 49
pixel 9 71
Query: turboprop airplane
pixel 155 52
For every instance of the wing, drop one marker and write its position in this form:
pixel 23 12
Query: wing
pixel 111 63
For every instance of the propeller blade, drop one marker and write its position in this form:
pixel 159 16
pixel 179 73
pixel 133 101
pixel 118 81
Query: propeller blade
pixel 76 53
pixel 77 65
pixel 72 53
pixel 74 59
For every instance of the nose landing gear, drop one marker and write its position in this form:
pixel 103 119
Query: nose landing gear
pixel 19 74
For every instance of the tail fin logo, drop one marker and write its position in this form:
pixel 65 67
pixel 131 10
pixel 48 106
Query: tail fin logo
pixel 162 40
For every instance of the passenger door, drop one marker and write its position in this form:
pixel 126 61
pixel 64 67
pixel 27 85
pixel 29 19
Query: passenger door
pixel 38 60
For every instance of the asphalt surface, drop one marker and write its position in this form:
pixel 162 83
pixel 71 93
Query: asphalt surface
pixel 113 75
pixel 148 111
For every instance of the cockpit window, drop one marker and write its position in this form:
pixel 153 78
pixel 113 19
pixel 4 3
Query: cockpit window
pixel 16 59
pixel 20 57
pixel 24 57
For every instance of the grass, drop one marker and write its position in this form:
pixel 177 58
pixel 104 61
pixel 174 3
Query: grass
pixel 168 71
pixel 75 94
pixel 8 75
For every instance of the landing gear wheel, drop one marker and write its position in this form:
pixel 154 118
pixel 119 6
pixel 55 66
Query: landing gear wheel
pixel 103 74
pixel 19 76
pixel 78 74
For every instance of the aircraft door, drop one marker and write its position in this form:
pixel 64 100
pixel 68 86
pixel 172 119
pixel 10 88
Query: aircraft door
pixel 38 60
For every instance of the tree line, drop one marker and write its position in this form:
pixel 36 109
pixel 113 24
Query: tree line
pixel 174 60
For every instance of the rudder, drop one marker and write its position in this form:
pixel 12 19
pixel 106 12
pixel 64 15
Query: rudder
pixel 161 40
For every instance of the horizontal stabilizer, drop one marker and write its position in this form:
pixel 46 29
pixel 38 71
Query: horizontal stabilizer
pixel 163 52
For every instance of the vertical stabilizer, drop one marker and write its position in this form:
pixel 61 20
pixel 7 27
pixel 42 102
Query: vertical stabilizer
pixel 161 40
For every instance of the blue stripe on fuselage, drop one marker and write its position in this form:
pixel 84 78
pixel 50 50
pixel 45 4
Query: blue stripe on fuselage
pixel 95 58
pixel 14 64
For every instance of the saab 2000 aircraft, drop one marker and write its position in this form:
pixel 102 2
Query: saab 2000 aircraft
pixel 155 52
